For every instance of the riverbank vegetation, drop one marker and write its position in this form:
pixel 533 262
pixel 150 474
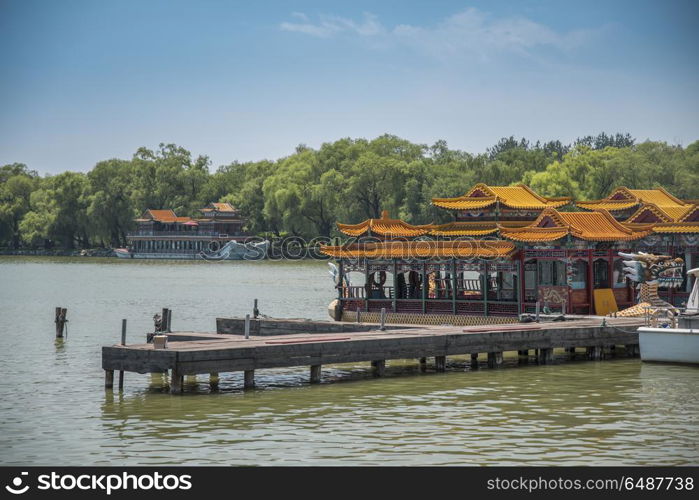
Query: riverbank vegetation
pixel 304 194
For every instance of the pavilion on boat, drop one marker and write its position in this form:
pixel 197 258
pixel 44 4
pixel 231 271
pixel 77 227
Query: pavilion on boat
pixel 507 252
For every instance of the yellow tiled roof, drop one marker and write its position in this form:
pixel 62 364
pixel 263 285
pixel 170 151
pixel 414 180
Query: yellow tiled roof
pixel 664 214
pixel 481 196
pixel 677 227
pixel 384 226
pixel 471 228
pixel 592 226
pixel 422 249
pixel 622 198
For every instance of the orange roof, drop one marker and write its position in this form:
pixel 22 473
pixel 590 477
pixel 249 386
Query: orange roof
pixel 552 225
pixel 219 207
pixel 472 228
pixel 622 198
pixel 167 216
pixel 384 226
pixel 482 195
pixel 462 249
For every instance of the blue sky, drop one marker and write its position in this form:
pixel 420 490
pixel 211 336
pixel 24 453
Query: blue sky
pixel 87 80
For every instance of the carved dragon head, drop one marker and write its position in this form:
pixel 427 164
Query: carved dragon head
pixel 648 268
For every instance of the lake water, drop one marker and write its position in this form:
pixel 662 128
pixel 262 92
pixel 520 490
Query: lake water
pixel 54 409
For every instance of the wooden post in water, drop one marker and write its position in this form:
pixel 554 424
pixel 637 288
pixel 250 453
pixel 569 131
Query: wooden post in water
pixel 423 364
pixel 255 310
pixel 495 359
pixel 546 356
pixel 379 367
pixel 169 320
pixel 248 379
pixel 213 381
pixel 108 379
pixel 123 342
pixel 247 326
pixel 571 352
pixel 594 353
pixel 61 320
pixel 315 374
pixel 523 356
pixel 440 363
pixel 176 381
pixel 164 321
pixel 474 360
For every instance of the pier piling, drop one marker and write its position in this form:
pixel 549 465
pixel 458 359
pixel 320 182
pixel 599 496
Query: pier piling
pixel 249 379
pixel 123 342
pixel 61 320
pixel 378 367
pixel 315 374
pixel 495 359
pixel 440 363
pixel 176 381
pixel 213 381
pixel 545 356
pixel 423 364
pixel 247 326
pixel 474 360
pixel 108 379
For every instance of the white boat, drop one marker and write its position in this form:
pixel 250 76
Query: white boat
pixel 231 250
pixel 678 343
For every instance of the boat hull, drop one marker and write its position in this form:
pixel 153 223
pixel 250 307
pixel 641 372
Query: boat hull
pixel 669 345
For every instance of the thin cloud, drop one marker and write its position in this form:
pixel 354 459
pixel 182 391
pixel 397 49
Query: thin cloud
pixel 468 32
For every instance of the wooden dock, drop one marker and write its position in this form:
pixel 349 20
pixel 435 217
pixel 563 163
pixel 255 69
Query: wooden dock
pixel 190 353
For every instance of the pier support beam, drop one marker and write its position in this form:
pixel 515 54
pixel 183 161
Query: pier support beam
pixel 423 364
pixel 108 379
pixel 248 379
pixel 176 381
pixel 440 363
pixel 495 359
pixel 523 356
pixel 546 356
pixel 213 381
pixel 632 350
pixel 315 374
pixel 594 353
pixel 571 352
pixel 378 367
pixel 474 360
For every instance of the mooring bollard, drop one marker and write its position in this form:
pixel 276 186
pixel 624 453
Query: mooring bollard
pixel 123 342
pixel 61 321
pixel 383 319
pixel 247 326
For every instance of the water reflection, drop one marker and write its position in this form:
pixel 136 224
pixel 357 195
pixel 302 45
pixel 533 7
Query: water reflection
pixel 54 409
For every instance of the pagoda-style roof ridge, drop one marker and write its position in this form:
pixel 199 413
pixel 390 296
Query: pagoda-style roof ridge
pixel 632 197
pixel 385 226
pixel 676 227
pixel 665 214
pixel 472 228
pixel 597 225
pixel 519 196
pixel 219 207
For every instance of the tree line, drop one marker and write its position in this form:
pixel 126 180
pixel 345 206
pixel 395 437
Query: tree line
pixel 304 194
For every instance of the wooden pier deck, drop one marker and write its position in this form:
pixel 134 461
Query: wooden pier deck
pixel 190 353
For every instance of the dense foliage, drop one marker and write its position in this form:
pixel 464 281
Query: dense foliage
pixel 305 193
